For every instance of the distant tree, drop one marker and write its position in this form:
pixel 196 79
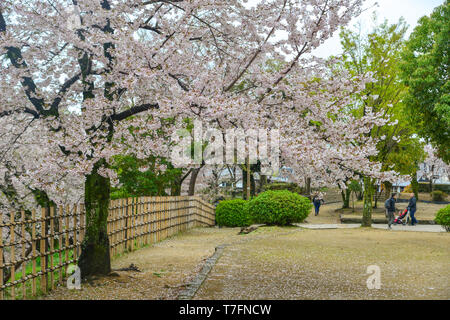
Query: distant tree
pixel 379 53
pixel 425 66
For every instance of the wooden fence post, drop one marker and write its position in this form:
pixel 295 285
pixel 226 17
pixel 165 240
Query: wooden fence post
pixel 43 252
pixel 1 257
pixel 33 249
pixel 52 224
pixel 24 263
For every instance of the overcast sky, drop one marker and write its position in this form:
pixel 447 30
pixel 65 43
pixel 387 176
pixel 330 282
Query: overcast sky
pixel 392 10
pixel 411 10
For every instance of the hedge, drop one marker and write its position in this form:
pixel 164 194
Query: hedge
pixel 425 187
pixel 280 207
pixel 438 195
pixel 232 213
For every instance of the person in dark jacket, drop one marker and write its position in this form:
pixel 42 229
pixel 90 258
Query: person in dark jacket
pixel 391 209
pixel 317 201
pixel 412 208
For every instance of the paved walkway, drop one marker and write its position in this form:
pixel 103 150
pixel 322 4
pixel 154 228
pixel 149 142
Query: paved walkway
pixel 420 228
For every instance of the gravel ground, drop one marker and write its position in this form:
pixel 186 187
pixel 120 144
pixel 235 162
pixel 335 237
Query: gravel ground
pixel 332 264
pixel 281 263
pixel 166 268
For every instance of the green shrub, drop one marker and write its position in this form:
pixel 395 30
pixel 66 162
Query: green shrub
pixel 443 217
pixel 425 187
pixel 279 207
pixel 438 195
pixel 292 187
pixel 232 213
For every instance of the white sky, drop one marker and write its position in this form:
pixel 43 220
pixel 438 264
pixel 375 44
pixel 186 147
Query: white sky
pixel 392 10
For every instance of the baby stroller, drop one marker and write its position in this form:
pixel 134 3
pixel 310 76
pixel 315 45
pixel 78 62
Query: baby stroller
pixel 401 219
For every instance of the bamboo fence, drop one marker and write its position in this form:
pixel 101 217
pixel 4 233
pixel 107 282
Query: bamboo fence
pixel 37 246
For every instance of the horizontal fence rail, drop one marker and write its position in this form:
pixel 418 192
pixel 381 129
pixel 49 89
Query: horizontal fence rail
pixel 37 246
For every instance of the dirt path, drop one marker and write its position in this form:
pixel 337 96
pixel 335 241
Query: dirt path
pixel 166 267
pixel 282 263
pixel 331 264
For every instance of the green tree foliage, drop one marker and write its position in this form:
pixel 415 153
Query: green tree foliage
pixel 379 53
pixel 279 207
pixel 137 183
pixel 425 66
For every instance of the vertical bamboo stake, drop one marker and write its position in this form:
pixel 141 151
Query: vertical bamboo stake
pixel 139 222
pixel 66 237
pixel 121 225
pixel 157 228
pixel 116 225
pixel 152 220
pixel 60 244
pixel 111 228
pixel 75 225
pixel 52 225
pixel 164 217
pixel 146 225
pixel 140 218
pixel 13 254
pixel 43 252
pixel 133 223
pixel 33 249
pixel 1 257
pixel 128 210
pixel 24 263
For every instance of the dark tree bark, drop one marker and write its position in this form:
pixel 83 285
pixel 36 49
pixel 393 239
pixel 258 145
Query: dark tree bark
pixel 308 186
pixel 368 195
pixel 193 180
pixel 387 189
pixel 95 257
pixel 345 198
pixel 262 182
pixel 415 185
pixel 252 185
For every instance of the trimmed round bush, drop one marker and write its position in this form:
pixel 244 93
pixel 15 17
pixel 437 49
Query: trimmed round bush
pixel 280 207
pixel 232 213
pixel 438 195
pixel 443 217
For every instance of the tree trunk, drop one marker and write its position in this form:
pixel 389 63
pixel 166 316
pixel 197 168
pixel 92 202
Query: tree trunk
pixel 262 182
pixel 377 195
pixel 431 178
pixel 193 180
pixel 252 185
pixel 244 182
pixel 415 185
pixel 249 173
pixel 345 198
pixel 387 189
pixel 368 195
pixel 95 258
pixel 308 186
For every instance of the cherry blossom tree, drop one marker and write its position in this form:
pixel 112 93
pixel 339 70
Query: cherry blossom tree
pixel 433 166
pixel 83 81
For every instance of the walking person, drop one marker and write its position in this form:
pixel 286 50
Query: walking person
pixel 317 201
pixel 390 209
pixel 412 208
